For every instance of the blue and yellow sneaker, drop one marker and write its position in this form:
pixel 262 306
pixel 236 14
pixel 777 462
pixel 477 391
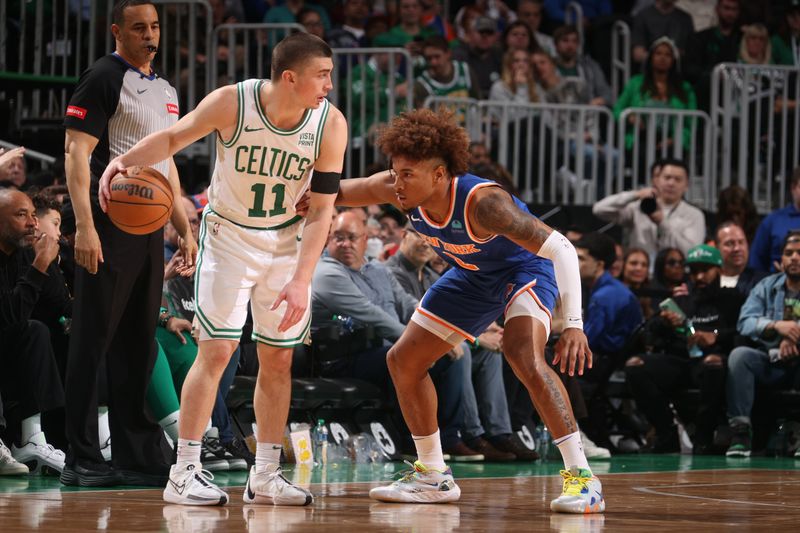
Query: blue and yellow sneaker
pixel 420 485
pixel 582 493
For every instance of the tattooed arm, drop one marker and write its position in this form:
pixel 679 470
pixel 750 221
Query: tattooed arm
pixel 494 213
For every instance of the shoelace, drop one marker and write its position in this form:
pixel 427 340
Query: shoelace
pixel 407 475
pixel 573 485
pixel 5 453
pixel 50 451
pixel 203 476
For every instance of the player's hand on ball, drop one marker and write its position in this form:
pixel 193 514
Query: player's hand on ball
pixel 572 350
pixel 295 294
pixel 104 193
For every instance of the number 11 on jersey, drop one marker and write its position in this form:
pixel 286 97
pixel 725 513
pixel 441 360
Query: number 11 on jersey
pixel 257 211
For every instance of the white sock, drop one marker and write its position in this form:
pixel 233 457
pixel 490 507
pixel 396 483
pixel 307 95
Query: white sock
pixel 170 425
pixel 268 455
pixel 429 451
pixel 103 431
pixel 188 452
pixel 31 427
pixel 571 450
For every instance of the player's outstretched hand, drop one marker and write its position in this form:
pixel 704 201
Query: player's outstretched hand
pixel 295 294
pixel 111 171
pixel 572 350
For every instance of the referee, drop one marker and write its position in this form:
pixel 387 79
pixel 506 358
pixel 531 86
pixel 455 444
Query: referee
pixel 118 101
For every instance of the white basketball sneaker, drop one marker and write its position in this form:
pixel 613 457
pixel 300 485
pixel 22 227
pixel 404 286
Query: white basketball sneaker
pixel 420 485
pixel 38 455
pixel 270 487
pixel 192 485
pixel 8 465
pixel 581 493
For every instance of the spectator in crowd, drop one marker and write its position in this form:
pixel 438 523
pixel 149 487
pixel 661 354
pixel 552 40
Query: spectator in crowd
pixel 669 273
pixel 572 64
pixel 657 217
pixel 444 76
pixel 685 345
pixel 496 10
pixel 311 20
pixel 619 257
pixel 660 86
pixel 12 167
pixel 518 36
pixel 287 12
pixel 712 46
pixel 432 18
pixel 735 204
pixel 530 12
pixel 765 250
pixel 30 379
pixel 732 244
pixel 481 164
pixel 661 19
pixel 702 12
pixel 517 83
pixel 374 85
pixel 770 319
pixel 786 43
pixel 392 222
pixel 636 276
pixel 376 25
pixel 345 284
pixel 352 32
pixel 610 316
pixel 410 31
pixel 481 51
pixel 755 47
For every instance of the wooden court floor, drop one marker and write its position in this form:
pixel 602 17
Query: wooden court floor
pixel 672 493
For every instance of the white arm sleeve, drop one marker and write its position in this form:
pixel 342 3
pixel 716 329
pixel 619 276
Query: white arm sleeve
pixel 560 251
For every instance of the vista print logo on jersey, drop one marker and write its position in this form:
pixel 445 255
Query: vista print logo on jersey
pixel 306 139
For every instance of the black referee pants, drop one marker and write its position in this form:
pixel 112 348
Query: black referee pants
pixel 114 316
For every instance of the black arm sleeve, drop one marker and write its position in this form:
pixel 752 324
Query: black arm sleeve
pixel 325 182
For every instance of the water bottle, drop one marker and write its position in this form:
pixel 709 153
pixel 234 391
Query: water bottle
pixel 319 436
pixel 694 349
pixel 543 441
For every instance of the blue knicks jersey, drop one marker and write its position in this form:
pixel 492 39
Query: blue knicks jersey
pixel 454 241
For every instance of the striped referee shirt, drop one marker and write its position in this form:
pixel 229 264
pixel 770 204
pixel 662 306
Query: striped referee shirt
pixel 120 105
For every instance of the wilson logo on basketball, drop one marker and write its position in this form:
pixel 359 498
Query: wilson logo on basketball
pixel 134 190
pixel 77 112
pixel 172 109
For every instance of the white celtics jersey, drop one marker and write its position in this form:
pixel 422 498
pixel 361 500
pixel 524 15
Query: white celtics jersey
pixel 262 170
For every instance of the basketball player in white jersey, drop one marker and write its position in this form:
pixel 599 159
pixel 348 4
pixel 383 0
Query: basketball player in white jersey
pixel 274 139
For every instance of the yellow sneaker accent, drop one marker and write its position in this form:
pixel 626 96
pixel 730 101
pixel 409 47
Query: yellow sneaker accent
pixel 574 485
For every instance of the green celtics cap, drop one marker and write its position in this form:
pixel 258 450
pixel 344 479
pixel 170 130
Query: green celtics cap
pixel 704 254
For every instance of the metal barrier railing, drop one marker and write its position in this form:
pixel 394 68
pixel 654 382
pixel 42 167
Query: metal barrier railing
pixel 467 112
pixel 365 91
pixel 555 152
pixel 646 134
pixel 757 129
pixel 620 56
pixel 248 49
pixel 573 14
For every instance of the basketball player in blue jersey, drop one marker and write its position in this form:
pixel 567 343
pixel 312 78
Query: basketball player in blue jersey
pixel 275 139
pixel 506 262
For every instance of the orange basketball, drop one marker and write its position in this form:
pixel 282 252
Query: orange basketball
pixel 141 202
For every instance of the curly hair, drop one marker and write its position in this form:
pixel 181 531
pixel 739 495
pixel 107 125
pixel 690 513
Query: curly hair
pixel 425 134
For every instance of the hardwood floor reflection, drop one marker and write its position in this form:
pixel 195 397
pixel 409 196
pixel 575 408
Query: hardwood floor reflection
pixel 665 501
